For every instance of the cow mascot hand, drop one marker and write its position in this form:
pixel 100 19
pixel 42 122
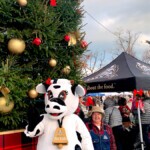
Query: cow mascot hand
pixel 57 129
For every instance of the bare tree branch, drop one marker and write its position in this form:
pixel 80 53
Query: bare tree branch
pixel 126 41
pixel 92 62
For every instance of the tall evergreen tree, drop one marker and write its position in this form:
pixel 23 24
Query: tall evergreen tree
pixel 38 39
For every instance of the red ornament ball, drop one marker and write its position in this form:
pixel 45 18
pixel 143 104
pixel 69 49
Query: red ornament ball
pixel 84 44
pixel 67 38
pixel 37 41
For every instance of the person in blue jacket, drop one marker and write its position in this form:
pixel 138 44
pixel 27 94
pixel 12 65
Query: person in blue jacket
pixel 102 135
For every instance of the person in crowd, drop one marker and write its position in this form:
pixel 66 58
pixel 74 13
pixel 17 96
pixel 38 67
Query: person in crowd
pixel 79 111
pixel 145 120
pixel 82 103
pixel 127 124
pixel 89 102
pixel 130 98
pixel 102 135
pixel 144 115
pixel 114 119
pixel 98 101
pixel 125 113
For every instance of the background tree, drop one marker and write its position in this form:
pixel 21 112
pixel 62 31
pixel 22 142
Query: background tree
pixel 92 61
pixel 38 39
pixel 146 54
pixel 126 41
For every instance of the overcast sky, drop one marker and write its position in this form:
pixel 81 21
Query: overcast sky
pixel 132 15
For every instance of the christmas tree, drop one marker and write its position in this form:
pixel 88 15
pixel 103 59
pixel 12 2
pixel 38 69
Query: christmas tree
pixel 38 39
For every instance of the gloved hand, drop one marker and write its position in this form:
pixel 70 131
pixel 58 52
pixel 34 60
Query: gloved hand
pixel 33 118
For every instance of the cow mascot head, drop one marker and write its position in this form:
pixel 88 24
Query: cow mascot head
pixel 58 127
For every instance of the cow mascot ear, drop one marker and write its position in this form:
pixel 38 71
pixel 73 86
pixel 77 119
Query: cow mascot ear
pixel 78 89
pixel 40 88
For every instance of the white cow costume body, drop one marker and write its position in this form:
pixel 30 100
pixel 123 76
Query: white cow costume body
pixel 61 101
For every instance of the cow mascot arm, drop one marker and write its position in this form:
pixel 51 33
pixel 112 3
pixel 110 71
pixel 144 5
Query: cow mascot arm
pixel 35 126
pixel 80 126
pixel 84 134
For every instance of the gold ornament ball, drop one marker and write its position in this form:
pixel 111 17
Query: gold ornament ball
pixel 7 108
pixel 16 46
pixel 33 93
pixel 66 70
pixel 22 2
pixel 2 101
pixel 52 62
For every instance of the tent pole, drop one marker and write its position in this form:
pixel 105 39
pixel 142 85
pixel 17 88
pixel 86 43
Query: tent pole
pixel 140 127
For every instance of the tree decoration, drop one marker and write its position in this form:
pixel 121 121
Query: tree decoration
pixel 84 44
pixel 2 101
pixel 78 35
pixel 73 39
pixel 48 81
pixel 74 36
pixel 4 106
pixel 138 93
pixel 22 2
pixel 53 2
pixel 67 38
pixel 16 46
pixel 32 93
pixel 37 41
pixel 4 90
pixel 66 70
pixel 52 62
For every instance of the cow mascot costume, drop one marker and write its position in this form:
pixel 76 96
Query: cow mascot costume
pixel 58 127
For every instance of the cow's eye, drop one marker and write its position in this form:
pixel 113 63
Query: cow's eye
pixel 62 95
pixel 50 94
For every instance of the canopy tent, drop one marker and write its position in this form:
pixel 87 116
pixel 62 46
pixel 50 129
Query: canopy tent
pixel 125 73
